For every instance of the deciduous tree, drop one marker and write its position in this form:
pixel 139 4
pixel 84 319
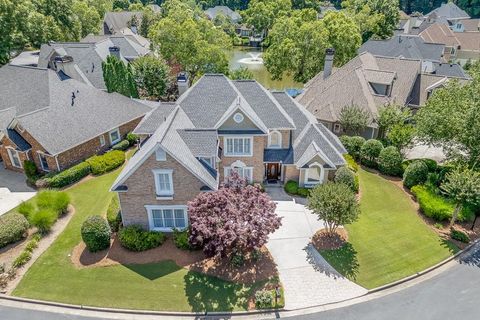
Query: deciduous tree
pixel 236 219
pixel 354 120
pixel 262 14
pixel 151 75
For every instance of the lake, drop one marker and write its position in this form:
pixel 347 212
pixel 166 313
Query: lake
pixel 252 59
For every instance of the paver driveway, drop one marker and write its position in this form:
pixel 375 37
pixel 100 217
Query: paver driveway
pixel 307 278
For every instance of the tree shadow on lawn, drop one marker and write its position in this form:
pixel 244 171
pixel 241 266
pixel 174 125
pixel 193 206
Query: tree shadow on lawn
pixel 153 271
pixel 449 245
pixel 207 293
pixel 344 260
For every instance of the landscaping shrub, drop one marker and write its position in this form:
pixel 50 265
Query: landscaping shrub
pixel 33 243
pixel 237 259
pixel 438 207
pixel 96 233
pixel 459 235
pixel 303 192
pixel 390 161
pixel 132 138
pixel 291 187
pixel 27 209
pixel 13 227
pixel 370 152
pixel 415 174
pixel 107 162
pixel 263 299
pixel 438 225
pixel 180 238
pixel 353 145
pixel 122 145
pixel 351 163
pixel 69 176
pixel 30 169
pixel 346 176
pixel 44 219
pixel 134 238
pixel 114 217
pixel 55 200
pixel 22 259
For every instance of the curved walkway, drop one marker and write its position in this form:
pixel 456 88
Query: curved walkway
pixel 307 278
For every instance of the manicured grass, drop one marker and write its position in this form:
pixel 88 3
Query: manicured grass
pixel 157 286
pixel 389 241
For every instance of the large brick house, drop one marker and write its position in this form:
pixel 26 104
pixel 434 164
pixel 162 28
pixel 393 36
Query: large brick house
pixel 216 127
pixel 56 121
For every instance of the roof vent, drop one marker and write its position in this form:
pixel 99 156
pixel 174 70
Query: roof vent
pixel 63 59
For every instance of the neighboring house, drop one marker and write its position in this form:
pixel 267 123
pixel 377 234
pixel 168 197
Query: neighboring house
pixel 115 22
pixel 83 60
pixel 132 46
pixel 212 13
pixel 467 25
pixel 216 127
pixel 370 82
pixel 459 46
pixel 404 46
pixel 26 58
pixel 56 121
pixel 447 12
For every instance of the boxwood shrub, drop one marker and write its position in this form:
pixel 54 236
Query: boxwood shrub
pixel 134 238
pixel 132 138
pixel 416 173
pixel 114 217
pixel 346 176
pixel 438 207
pixel 69 176
pixel 122 145
pixel 96 233
pixel 370 152
pixel 390 161
pixel 180 239
pixel 291 187
pixel 13 227
pixel 353 145
pixel 107 162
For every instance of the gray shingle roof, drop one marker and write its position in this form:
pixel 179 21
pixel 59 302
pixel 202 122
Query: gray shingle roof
pixel 116 21
pixel 226 11
pixel 449 11
pixel 404 46
pixel 154 118
pixel 202 143
pixel 44 107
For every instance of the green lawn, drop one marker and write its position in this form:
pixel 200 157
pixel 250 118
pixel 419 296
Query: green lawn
pixel 160 286
pixel 389 241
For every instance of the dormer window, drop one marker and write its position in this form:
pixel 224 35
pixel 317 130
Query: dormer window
pixel 275 140
pixel 380 89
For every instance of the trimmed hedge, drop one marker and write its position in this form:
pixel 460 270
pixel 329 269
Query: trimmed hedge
pixel 180 239
pixel 69 176
pixel 96 233
pixel 390 161
pixel 346 176
pixel 303 192
pixel 134 238
pixel 416 173
pixel 353 145
pixel 370 152
pixel 291 187
pixel 107 162
pixel 438 207
pixel 13 227
pixel 114 217
pixel 122 145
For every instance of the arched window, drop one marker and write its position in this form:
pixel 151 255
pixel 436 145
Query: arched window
pixel 242 170
pixel 275 139
pixel 314 174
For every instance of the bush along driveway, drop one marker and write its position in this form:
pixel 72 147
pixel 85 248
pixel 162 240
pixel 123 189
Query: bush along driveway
pixel 153 286
pixel 389 241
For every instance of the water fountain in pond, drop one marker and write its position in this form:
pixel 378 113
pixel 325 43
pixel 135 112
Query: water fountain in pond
pixel 255 58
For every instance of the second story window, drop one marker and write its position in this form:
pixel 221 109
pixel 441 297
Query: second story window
pixel 275 140
pixel 163 182
pixel 238 146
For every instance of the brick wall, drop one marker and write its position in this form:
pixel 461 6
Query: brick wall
pixel 285 139
pixel 141 189
pixel 4 143
pixel 255 161
pixel 290 173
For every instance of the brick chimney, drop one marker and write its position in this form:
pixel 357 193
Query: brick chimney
pixel 328 66
pixel 182 83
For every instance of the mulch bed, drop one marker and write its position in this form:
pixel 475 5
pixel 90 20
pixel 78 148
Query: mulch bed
pixel 264 268
pixel 321 240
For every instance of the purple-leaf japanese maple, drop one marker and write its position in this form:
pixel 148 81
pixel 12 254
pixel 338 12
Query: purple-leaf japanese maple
pixel 235 219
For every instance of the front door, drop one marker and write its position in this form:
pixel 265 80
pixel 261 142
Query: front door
pixel 273 171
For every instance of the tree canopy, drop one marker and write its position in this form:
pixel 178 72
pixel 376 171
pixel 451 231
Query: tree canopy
pixel 262 14
pixel 236 219
pixel 354 120
pixel 185 37
pixel 151 75
pixel 118 77
pixel 298 43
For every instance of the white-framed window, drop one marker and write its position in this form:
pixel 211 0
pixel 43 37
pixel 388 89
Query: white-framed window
pixel 14 158
pixel 238 146
pixel 115 136
pixel 163 182
pixel 102 140
pixel 43 162
pixel 160 154
pixel 210 161
pixel 336 128
pixel 275 140
pixel 242 170
pixel 166 218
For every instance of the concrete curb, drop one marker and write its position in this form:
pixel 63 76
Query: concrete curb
pixel 266 312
